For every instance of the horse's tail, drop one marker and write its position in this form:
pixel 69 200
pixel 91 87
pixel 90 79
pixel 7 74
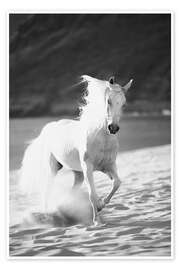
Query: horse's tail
pixel 35 171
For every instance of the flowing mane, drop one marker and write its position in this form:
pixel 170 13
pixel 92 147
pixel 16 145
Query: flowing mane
pixel 94 98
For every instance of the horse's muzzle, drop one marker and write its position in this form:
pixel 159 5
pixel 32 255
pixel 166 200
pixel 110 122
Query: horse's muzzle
pixel 113 128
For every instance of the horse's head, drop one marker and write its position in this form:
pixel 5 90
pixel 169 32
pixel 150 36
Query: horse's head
pixel 115 100
pixel 104 101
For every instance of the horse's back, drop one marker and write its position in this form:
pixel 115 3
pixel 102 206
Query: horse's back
pixel 67 122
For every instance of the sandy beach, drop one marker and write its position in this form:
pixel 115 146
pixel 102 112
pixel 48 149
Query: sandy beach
pixel 137 222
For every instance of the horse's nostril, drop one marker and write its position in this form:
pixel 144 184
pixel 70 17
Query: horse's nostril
pixel 113 128
pixel 110 127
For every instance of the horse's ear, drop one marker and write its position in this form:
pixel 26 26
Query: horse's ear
pixel 127 86
pixel 87 78
pixel 111 80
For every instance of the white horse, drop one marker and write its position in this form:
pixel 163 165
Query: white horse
pixel 83 146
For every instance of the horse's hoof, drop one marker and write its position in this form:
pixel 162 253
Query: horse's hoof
pixel 98 221
pixel 100 205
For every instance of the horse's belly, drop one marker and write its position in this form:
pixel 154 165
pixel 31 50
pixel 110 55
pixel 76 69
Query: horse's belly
pixel 64 145
pixel 68 157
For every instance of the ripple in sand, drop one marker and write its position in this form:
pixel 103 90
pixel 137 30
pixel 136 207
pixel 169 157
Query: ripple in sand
pixel 137 222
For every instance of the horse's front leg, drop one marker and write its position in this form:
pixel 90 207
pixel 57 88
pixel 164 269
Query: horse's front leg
pixel 116 183
pixel 88 176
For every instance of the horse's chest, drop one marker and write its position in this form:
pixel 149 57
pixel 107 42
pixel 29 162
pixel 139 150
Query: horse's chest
pixel 103 154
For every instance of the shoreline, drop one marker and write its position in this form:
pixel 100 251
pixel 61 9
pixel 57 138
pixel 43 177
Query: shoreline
pixel 135 132
pixel 124 116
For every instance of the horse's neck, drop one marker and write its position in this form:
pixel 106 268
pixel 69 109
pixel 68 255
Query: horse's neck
pixel 93 125
pixel 94 114
pixel 97 131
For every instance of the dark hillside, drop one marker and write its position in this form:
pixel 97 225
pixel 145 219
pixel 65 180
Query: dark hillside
pixel 48 53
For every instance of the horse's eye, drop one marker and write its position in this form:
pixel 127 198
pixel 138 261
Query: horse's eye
pixel 111 80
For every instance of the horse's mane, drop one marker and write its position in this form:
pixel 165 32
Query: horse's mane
pixel 93 98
